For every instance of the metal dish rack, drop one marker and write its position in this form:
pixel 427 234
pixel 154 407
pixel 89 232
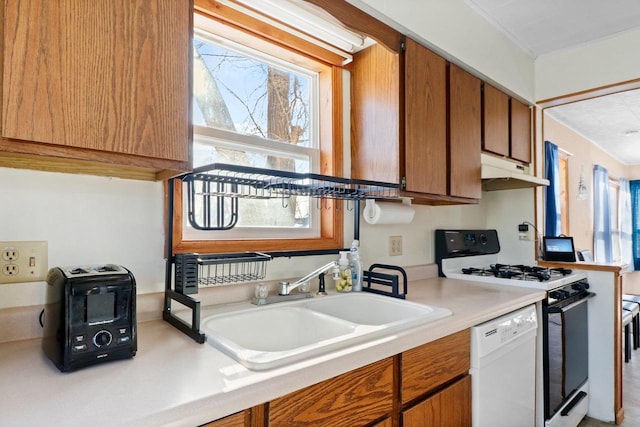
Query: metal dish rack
pixel 213 194
pixel 213 191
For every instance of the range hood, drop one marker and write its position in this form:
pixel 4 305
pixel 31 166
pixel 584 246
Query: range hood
pixel 501 174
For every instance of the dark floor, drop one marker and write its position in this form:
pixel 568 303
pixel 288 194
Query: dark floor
pixel 630 395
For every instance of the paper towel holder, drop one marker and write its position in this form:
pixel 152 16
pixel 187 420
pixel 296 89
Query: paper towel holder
pixel 371 207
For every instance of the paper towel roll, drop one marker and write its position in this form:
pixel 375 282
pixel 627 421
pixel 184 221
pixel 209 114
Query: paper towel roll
pixel 388 213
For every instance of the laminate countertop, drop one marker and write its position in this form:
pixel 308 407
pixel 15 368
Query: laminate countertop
pixel 174 381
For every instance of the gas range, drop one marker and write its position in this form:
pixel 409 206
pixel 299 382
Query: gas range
pixel 473 255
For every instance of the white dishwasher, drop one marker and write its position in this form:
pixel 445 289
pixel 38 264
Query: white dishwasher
pixel 503 370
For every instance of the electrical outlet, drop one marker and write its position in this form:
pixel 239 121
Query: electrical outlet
pixel 395 245
pixel 23 261
pixel 523 232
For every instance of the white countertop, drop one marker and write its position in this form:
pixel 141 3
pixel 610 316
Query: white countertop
pixel 174 381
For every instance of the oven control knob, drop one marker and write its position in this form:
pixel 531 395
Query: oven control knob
pixel 102 338
pixel 555 295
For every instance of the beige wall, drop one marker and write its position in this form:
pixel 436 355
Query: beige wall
pixel 585 155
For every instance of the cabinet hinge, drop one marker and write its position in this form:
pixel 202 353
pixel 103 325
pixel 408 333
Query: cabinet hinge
pixel 403 45
pixel 403 183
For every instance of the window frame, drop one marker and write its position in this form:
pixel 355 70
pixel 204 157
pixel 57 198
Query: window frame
pixel 231 24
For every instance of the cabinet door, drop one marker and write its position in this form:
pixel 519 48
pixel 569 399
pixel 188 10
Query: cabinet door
pixel 111 75
pixel 520 131
pixel 235 420
pixel 464 134
pixel 429 366
pixel 495 120
pixel 375 115
pixel 425 120
pixel 356 398
pixel 449 407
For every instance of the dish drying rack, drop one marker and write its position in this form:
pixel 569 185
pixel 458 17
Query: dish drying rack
pixel 213 194
pixel 213 191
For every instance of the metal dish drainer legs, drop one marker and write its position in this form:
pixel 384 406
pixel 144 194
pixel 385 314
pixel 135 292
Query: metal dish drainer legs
pixel 213 192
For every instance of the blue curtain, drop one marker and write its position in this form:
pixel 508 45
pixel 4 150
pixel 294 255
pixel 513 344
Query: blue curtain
pixel 552 223
pixel 601 216
pixel 626 228
pixel 634 189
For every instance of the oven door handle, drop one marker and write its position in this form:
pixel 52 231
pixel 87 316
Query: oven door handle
pixel 552 309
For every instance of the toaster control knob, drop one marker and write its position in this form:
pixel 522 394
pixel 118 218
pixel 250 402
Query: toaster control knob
pixel 102 338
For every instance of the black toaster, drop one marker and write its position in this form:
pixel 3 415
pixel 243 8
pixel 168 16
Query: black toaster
pixel 89 315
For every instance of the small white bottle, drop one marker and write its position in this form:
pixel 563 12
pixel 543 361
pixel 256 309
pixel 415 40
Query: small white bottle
pixel 344 283
pixel 356 266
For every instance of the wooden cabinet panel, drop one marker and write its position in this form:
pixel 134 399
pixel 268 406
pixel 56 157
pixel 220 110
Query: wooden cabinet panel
pixel 356 398
pixel 520 131
pixel 495 121
pixel 429 366
pixel 235 420
pixel 387 422
pixel 464 134
pixel 449 407
pixel 375 115
pixel 111 76
pixel 425 120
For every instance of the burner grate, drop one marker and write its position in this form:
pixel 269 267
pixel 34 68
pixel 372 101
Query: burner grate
pixel 518 272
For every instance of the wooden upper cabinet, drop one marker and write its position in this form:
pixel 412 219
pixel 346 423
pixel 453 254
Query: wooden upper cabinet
pixel 425 75
pixel 464 134
pixel 110 77
pixel 520 131
pixel 375 115
pixel 495 123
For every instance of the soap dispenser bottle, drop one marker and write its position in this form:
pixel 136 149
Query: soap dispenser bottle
pixel 356 266
pixel 344 283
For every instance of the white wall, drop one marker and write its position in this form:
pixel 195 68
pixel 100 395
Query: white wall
pixel 506 209
pixel 609 61
pixel 86 220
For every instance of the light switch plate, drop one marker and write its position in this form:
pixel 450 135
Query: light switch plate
pixel 23 261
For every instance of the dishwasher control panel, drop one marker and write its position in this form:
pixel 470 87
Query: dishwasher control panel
pixel 490 335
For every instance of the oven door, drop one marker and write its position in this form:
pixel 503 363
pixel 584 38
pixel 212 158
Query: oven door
pixel 566 355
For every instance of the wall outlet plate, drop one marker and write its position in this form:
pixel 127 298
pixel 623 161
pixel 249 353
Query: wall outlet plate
pixel 23 261
pixel 395 245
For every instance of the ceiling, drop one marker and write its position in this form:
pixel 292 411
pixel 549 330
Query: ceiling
pixel 540 27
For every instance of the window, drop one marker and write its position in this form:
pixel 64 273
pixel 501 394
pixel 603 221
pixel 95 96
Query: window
pixel 263 98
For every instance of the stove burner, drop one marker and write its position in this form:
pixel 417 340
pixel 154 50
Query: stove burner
pixel 477 272
pixel 518 272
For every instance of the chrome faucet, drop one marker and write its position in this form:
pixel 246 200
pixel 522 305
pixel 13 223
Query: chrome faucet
pixel 286 287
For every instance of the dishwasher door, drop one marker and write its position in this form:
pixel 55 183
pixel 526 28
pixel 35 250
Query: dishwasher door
pixel 503 370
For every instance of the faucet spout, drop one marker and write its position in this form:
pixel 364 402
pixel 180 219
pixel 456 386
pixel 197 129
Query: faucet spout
pixel 286 287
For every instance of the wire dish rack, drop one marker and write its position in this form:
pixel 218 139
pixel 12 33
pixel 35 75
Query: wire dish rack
pixel 193 270
pixel 213 191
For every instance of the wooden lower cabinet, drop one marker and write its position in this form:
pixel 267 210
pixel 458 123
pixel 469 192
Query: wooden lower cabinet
pixel 356 398
pixel 425 386
pixel 234 420
pixel 449 407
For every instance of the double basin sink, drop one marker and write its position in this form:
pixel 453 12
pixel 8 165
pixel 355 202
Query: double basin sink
pixel 267 337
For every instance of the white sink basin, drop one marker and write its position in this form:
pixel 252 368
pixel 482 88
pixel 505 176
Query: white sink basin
pixel 370 309
pixel 267 337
